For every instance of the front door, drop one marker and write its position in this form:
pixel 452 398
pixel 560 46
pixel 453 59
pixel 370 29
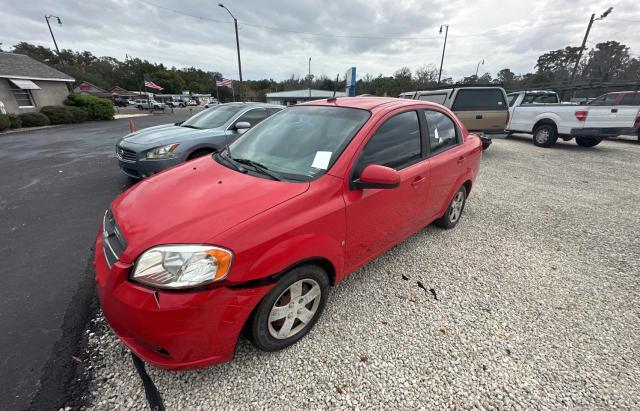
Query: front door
pixel 379 218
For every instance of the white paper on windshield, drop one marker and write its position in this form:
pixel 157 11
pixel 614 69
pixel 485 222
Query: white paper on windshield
pixel 321 160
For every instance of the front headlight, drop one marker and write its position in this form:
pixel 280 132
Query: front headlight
pixel 182 266
pixel 161 152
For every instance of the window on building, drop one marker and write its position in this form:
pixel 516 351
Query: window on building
pixel 24 98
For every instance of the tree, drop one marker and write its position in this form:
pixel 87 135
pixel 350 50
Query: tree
pixel 556 65
pixel 506 77
pixel 426 76
pixel 606 61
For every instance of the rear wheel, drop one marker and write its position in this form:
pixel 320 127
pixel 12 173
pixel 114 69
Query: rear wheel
pixel 545 135
pixel 454 211
pixel 588 141
pixel 290 309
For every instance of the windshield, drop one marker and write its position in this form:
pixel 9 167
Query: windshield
pixel 300 142
pixel 213 117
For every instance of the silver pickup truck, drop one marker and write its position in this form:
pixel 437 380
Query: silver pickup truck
pixel 540 113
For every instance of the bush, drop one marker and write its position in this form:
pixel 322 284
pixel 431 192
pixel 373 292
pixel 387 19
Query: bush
pixel 58 114
pixel 15 120
pixel 97 108
pixel 5 123
pixel 79 114
pixel 33 119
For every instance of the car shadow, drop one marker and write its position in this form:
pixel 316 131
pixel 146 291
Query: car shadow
pixel 559 145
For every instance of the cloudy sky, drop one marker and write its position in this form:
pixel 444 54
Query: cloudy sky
pixel 277 37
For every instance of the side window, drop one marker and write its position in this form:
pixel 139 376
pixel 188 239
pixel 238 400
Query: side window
pixel 512 99
pixel 395 144
pixel 442 131
pixel 434 98
pixel 254 116
pixel 273 111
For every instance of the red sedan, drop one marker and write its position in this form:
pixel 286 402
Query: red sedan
pixel 252 238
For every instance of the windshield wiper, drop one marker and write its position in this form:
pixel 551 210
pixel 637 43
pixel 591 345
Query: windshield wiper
pixel 259 167
pixel 224 155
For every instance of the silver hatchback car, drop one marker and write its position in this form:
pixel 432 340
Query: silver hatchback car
pixel 150 150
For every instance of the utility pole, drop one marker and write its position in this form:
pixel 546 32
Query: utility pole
pixel 309 76
pixel 54 37
pixel 235 22
pixel 478 67
pixel 584 40
pixel 446 33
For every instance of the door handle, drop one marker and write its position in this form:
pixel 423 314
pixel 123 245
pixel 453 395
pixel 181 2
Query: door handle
pixel 614 110
pixel 478 116
pixel 460 160
pixel 417 181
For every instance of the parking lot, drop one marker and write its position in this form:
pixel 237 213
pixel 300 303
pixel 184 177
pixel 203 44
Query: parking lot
pixel 54 186
pixel 532 301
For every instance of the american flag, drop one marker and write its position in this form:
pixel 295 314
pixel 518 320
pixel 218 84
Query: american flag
pixel 150 84
pixel 225 82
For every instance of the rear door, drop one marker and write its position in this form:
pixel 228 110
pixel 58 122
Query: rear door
pixel 447 160
pixel 481 109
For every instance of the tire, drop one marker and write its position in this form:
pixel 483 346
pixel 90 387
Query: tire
pixel 545 135
pixel 588 141
pixel 280 333
pixel 453 214
pixel 199 153
pixel 139 107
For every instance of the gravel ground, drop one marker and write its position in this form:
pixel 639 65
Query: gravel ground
pixel 532 301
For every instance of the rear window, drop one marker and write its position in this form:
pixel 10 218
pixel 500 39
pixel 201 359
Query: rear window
pixel 631 99
pixel 479 99
pixel 539 98
pixel 434 98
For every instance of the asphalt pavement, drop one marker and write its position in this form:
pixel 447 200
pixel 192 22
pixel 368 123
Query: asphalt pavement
pixel 55 184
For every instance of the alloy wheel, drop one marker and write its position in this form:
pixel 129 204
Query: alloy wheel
pixel 542 136
pixel 456 207
pixel 294 309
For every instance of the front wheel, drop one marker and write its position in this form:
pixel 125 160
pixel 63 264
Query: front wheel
pixel 454 211
pixel 588 141
pixel 545 135
pixel 290 309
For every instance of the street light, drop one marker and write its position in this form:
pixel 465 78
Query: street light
pixel 309 76
pixel 446 33
pixel 235 22
pixel 53 37
pixel 584 41
pixel 478 67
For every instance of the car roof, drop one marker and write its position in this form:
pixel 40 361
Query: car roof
pixel 251 104
pixel 368 103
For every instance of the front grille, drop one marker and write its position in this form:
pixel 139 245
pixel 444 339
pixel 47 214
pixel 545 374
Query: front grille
pixel 126 155
pixel 113 242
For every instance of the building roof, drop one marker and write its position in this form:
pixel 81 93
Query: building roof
pixel 304 93
pixel 20 66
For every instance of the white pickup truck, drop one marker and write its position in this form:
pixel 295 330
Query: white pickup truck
pixel 540 113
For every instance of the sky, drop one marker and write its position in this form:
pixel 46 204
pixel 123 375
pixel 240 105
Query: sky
pixel 278 37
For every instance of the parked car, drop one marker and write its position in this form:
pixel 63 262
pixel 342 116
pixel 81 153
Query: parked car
pixel 151 150
pixel 192 102
pixel 176 103
pixel 211 103
pixel 143 104
pixel 618 98
pixel 120 102
pixel 532 97
pixel 588 124
pixel 253 237
pixel 482 109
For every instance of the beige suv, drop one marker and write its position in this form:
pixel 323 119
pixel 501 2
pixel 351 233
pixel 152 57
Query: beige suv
pixel 482 110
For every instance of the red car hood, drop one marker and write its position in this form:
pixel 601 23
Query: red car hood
pixel 193 203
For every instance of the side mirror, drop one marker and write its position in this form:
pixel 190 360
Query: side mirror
pixel 242 126
pixel 178 123
pixel 377 176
